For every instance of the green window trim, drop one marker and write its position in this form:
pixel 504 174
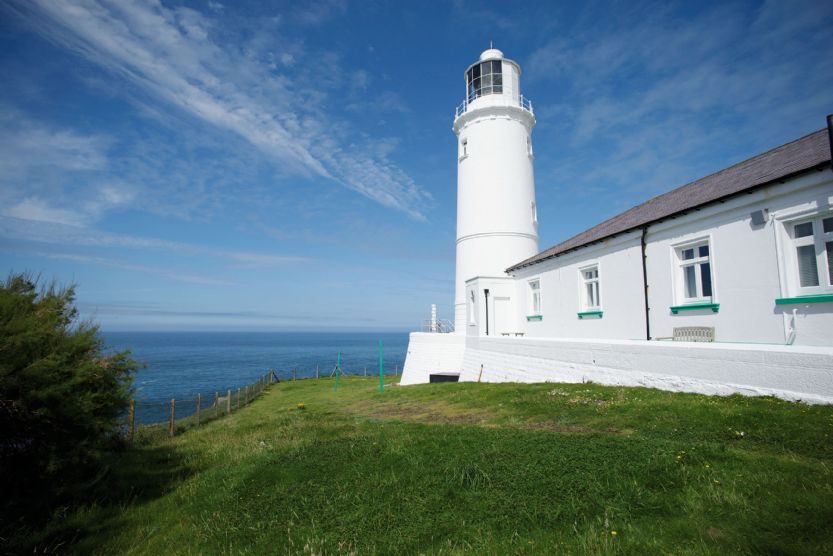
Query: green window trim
pixel 819 298
pixel 715 307
pixel 534 317
pixel 590 314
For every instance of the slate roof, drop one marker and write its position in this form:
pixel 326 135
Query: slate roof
pixel 806 153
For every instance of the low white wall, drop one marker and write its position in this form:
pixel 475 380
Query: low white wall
pixel 432 353
pixel 790 372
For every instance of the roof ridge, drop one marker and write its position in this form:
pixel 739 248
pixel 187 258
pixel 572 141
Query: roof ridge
pixel 718 172
pixel 710 190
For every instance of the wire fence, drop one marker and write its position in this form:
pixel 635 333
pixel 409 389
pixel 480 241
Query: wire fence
pixel 146 419
pixel 299 373
pixel 153 419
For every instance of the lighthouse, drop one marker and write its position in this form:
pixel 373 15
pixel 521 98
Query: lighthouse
pixel 497 222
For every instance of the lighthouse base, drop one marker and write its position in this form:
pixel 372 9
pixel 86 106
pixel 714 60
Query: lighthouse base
pixel 430 354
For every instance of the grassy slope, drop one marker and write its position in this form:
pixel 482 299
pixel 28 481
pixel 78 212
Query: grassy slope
pixel 485 468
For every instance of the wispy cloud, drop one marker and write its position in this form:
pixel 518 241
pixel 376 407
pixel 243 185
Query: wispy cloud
pixel 56 233
pixel 656 98
pixel 36 209
pixel 23 142
pixel 158 271
pixel 54 174
pixel 171 54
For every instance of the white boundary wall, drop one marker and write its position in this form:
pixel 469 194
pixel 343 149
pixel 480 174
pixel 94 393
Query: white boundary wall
pixel 432 353
pixel 802 373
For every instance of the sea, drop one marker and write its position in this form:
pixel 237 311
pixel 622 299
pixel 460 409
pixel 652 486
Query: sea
pixel 180 365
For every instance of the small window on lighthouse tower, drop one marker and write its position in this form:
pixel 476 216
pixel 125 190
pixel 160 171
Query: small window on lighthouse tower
pixel 464 148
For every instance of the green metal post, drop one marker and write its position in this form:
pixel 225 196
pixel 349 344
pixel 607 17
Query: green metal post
pixel 338 371
pixel 381 370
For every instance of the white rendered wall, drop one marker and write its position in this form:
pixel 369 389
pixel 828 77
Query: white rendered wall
pixel 789 372
pixel 745 267
pixel 502 313
pixel 432 353
pixel 749 269
pixel 621 293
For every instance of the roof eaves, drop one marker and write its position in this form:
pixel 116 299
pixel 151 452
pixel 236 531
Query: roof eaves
pixel 536 259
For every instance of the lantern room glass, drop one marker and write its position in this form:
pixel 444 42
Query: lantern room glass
pixel 485 78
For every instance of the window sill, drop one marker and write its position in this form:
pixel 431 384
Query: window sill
pixel 800 300
pixel 590 314
pixel 534 317
pixel 462 158
pixel 715 307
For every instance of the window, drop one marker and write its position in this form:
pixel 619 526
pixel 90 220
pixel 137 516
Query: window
pixel 591 293
pixel 694 275
pixel 472 321
pixel 813 249
pixel 464 148
pixel 485 78
pixel 534 297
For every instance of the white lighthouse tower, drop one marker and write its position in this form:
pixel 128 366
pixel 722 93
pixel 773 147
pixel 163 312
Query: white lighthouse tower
pixel 497 223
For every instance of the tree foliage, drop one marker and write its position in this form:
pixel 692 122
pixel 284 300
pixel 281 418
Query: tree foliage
pixel 61 396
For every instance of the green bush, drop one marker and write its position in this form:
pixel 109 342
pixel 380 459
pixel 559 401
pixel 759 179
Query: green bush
pixel 61 398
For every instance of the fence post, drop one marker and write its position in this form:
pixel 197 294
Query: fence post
pixel 365 370
pixel 216 403
pixel 247 393
pixel 171 421
pixel 131 416
pixel 316 372
pixel 228 401
pixel 199 405
pixel 396 372
pixel 238 398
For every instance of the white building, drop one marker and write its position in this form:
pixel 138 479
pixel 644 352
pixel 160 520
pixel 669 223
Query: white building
pixel 745 255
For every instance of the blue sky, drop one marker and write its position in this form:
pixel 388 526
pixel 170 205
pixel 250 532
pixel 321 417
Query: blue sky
pixel 291 166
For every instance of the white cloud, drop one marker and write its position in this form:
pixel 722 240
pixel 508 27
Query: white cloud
pixel 33 208
pixel 54 232
pixel 170 54
pixel 55 175
pixel 165 273
pixel 26 145
pixel 654 98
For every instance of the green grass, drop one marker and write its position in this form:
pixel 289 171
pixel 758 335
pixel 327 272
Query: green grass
pixel 471 468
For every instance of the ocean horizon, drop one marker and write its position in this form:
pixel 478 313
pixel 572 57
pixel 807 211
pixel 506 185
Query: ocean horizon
pixel 179 365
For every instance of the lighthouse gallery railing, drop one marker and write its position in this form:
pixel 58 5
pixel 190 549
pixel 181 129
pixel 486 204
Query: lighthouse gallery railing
pixel 521 101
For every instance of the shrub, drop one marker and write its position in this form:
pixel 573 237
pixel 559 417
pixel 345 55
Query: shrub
pixel 61 397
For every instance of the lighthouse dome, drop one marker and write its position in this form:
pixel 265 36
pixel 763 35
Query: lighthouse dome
pixel 491 54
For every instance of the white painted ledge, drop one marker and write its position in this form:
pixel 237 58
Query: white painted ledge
pixel 789 372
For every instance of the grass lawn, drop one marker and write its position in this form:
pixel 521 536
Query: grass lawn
pixel 471 468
